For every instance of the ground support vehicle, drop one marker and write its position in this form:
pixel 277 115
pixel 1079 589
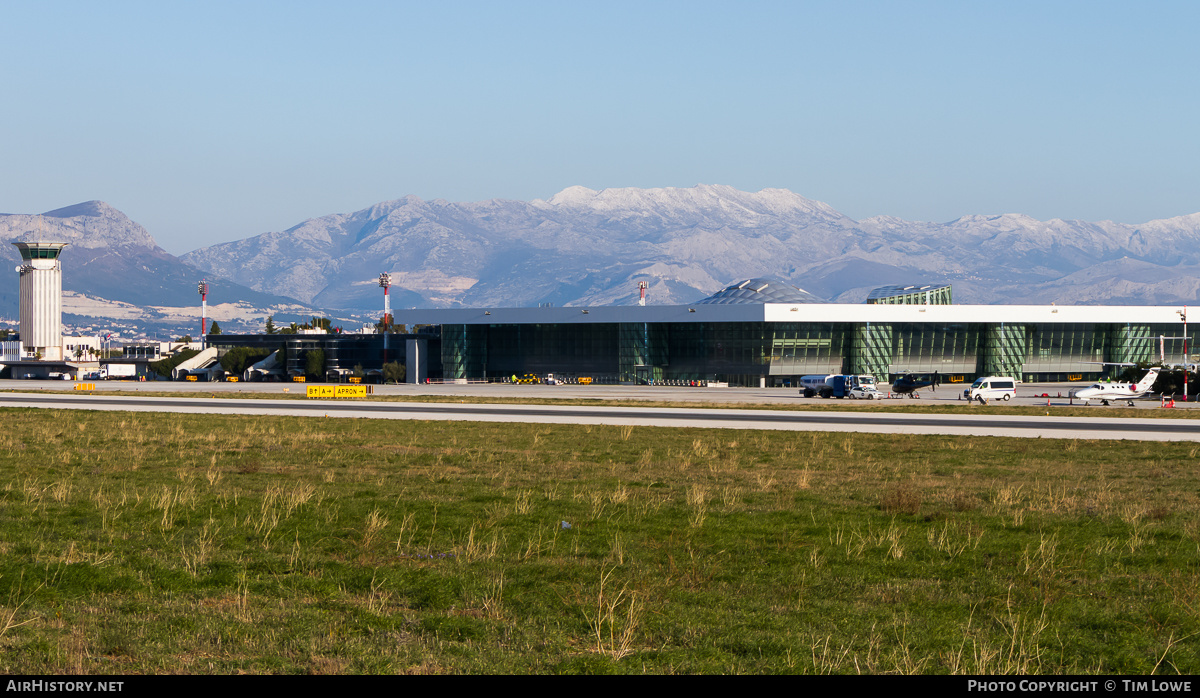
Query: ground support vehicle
pixel 834 385
pixel 991 388
pixel 110 372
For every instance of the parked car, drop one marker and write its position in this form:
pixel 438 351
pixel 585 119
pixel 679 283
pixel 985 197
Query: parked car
pixel 864 392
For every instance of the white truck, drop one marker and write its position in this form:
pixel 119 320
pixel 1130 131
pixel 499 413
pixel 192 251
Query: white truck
pixel 111 372
pixel 835 384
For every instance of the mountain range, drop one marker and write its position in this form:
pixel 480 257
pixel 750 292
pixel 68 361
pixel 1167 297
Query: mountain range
pixel 116 275
pixel 587 247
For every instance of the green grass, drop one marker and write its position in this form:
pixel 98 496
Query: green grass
pixel 161 543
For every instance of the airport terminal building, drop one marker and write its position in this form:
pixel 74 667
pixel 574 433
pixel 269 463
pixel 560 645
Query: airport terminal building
pixel 772 335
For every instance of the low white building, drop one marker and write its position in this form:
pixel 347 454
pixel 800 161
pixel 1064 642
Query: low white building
pixel 84 348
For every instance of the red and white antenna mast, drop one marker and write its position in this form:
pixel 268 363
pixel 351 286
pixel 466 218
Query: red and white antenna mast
pixel 642 286
pixel 385 281
pixel 202 287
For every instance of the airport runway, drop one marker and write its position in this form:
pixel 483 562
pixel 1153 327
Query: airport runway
pixel 977 424
pixel 949 394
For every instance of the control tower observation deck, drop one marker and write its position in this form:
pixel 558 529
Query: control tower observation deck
pixel 41 298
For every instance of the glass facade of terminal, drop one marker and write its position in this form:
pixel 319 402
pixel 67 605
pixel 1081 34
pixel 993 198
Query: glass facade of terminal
pixel 928 348
pixel 752 353
pixel 1064 348
pixel 911 295
pixel 777 353
pixel 502 351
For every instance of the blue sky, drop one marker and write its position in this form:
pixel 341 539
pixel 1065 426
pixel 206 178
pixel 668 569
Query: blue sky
pixel 212 121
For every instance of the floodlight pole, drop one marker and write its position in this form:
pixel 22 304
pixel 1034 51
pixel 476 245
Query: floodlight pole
pixel 385 281
pixel 1183 316
pixel 202 287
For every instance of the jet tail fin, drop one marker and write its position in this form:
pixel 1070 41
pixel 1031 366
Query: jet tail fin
pixel 1148 381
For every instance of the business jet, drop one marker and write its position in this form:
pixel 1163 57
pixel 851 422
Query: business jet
pixel 1118 391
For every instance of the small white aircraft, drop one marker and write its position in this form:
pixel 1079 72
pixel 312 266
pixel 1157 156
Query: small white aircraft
pixel 1118 391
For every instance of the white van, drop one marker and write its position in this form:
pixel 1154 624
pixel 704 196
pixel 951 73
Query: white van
pixel 992 388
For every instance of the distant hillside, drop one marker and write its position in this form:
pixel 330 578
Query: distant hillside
pixel 585 247
pixel 111 258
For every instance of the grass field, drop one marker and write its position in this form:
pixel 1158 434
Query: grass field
pixel 161 543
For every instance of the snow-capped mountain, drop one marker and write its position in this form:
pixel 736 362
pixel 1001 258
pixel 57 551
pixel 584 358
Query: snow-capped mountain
pixel 587 247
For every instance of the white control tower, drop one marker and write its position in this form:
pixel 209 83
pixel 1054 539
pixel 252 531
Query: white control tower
pixel 41 298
